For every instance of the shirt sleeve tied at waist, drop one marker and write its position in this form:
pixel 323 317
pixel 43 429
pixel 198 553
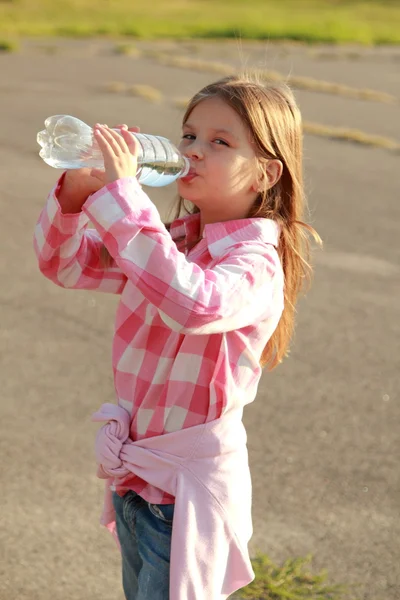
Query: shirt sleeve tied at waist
pixel 110 440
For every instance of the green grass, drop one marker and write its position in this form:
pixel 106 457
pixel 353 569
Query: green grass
pixel 292 581
pixel 362 21
pixel 8 46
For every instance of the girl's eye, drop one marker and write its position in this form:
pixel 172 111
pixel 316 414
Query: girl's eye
pixel 191 136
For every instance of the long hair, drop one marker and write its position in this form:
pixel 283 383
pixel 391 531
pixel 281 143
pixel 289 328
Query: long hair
pixel 271 115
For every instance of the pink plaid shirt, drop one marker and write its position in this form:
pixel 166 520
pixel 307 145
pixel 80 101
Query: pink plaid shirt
pixel 190 326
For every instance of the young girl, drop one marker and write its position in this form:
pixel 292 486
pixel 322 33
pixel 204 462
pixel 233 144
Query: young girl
pixel 206 302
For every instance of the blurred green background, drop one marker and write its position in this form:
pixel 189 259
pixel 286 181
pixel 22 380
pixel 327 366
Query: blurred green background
pixel 335 21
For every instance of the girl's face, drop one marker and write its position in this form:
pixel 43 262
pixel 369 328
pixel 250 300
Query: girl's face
pixel 222 181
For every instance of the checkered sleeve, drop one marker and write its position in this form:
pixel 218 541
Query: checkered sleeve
pixel 68 251
pixel 237 292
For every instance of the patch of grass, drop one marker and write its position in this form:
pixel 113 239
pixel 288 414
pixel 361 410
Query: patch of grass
pixel 351 135
pixel 145 91
pixel 361 21
pixel 114 87
pixel 298 82
pixel 195 64
pixel 127 50
pixel 9 46
pixel 180 103
pixel 339 89
pixel 332 54
pixel 290 582
pixel 154 54
pixel 49 49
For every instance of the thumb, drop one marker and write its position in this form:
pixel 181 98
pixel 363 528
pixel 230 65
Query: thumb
pixel 98 174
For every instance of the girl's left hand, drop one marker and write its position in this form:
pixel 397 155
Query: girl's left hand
pixel 120 152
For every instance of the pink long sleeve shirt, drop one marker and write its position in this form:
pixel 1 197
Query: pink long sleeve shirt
pixel 190 326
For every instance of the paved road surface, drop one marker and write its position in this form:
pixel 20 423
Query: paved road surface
pixel 323 432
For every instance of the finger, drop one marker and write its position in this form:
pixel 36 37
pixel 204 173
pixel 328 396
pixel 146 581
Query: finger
pixel 113 140
pixel 104 145
pixel 109 156
pixel 133 129
pixel 131 142
pixel 119 139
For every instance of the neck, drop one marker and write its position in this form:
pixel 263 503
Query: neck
pixel 219 218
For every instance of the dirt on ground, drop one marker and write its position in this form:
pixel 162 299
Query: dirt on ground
pixel 323 432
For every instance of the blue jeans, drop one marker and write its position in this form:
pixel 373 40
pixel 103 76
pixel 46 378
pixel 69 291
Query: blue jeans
pixel 144 531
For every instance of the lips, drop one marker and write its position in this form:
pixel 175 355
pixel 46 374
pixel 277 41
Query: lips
pixel 191 175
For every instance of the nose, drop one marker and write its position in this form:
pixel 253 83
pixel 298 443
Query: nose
pixel 194 150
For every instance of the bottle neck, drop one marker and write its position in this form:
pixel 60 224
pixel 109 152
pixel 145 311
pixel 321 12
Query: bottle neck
pixel 186 168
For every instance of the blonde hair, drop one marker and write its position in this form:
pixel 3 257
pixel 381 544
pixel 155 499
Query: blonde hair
pixel 273 119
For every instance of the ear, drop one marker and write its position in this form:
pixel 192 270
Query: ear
pixel 274 171
pixel 270 175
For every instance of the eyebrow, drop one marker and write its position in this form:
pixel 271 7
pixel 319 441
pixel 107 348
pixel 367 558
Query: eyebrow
pixel 226 131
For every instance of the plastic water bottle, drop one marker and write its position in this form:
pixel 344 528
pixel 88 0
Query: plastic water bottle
pixel 68 143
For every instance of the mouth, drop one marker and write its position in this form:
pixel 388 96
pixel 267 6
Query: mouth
pixel 191 175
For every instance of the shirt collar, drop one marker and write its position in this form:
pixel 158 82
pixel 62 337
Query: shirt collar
pixel 223 235
pixel 187 226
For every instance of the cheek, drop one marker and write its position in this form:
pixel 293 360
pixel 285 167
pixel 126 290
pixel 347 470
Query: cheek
pixel 224 166
pixel 249 170
pixel 242 172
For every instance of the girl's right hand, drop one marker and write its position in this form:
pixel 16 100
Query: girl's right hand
pixel 79 184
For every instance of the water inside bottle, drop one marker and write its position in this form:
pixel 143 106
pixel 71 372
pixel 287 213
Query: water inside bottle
pixel 157 173
pixel 158 162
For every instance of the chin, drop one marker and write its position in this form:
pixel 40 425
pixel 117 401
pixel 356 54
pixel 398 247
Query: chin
pixel 187 193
